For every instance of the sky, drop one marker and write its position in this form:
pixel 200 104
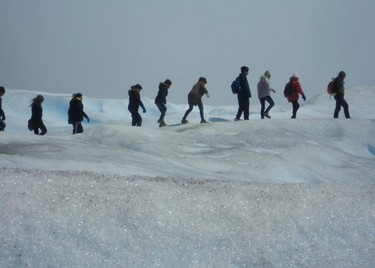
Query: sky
pixel 101 48
pixel 260 193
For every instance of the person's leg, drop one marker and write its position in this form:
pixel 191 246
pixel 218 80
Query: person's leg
pixel 271 104
pixel 295 105
pixel 262 106
pixel 201 111
pixel 36 128
pixel 337 107
pixel 2 125
pixel 240 109
pixel 42 128
pixel 187 113
pixel 345 105
pixel 246 109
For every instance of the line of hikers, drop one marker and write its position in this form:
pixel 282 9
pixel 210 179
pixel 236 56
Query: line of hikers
pixel 240 86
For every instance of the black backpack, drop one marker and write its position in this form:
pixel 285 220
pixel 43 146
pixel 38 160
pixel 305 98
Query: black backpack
pixel 289 89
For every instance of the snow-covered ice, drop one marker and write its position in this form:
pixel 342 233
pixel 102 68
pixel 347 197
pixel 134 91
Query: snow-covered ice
pixel 257 193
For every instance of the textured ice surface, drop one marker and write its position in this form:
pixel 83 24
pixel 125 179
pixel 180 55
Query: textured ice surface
pixel 83 219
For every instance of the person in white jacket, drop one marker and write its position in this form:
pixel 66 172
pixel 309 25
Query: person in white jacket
pixel 264 90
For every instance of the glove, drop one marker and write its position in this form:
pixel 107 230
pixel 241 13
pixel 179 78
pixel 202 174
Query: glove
pixel 88 119
pixel 70 122
pixel 304 97
pixel 144 110
pixel 208 95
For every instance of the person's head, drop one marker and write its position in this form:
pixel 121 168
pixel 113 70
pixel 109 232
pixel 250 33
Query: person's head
pixel 39 98
pixel 295 76
pixel 267 74
pixel 78 96
pixel 137 87
pixel 244 69
pixel 202 80
pixel 342 74
pixel 168 82
pixel 2 91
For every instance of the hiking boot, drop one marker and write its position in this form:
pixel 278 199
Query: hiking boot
pixel 163 124
pixel 267 115
pixel 236 119
pixel 160 121
pixel 184 121
pixel 203 121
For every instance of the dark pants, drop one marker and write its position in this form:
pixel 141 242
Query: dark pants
pixel 263 105
pixel 295 106
pixel 136 119
pixel 243 107
pixel 39 125
pixel 163 109
pixel 191 106
pixel 77 127
pixel 341 102
pixel 2 125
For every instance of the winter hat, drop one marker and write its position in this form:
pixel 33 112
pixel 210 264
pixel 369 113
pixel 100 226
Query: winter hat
pixel 137 86
pixel 202 79
pixel 2 90
pixel 295 75
pixel 342 74
pixel 267 73
pixel 78 95
pixel 168 82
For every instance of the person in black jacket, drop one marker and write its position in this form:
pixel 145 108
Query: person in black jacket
pixel 134 103
pixel 36 116
pixel 76 113
pixel 161 100
pixel 339 90
pixel 243 95
pixel 2 114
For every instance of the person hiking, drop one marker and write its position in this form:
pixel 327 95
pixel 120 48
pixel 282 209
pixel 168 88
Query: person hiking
pixel 243 95
pixel 294 96
pixel 134 103
pixel 76 113
pixel 264 94
pixel 2 114
pixel 161 100
pixel 36 121
pixel 339 90
pixel 195 98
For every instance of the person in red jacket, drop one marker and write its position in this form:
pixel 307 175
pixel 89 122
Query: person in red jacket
pixel 294 97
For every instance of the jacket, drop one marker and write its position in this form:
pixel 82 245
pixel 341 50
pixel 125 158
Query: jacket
pixel 338 86
pixel 196 93
pixel 36 112
pixel 244 91
pixel 263 87
pixel 297 90
pixel 162 94
pixel 134 100
pixel 75 112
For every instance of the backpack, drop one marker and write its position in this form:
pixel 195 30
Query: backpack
pixel 235 86
pixel 289 89
pixel 331 87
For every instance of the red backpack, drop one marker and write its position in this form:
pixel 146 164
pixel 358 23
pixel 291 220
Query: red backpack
pixel 330 87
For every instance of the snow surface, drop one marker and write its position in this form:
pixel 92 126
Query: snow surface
pixel 258 193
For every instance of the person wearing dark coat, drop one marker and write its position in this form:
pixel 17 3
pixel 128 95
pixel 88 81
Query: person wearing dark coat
pixel 195 98
pixel 161 100
pixel 36 116
pixel 2 114
pixel 76 113
pixel 243 95
pixel 134 104
pixel 339 89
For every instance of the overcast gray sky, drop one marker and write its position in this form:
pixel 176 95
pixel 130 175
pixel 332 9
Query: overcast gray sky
pixel 101 48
